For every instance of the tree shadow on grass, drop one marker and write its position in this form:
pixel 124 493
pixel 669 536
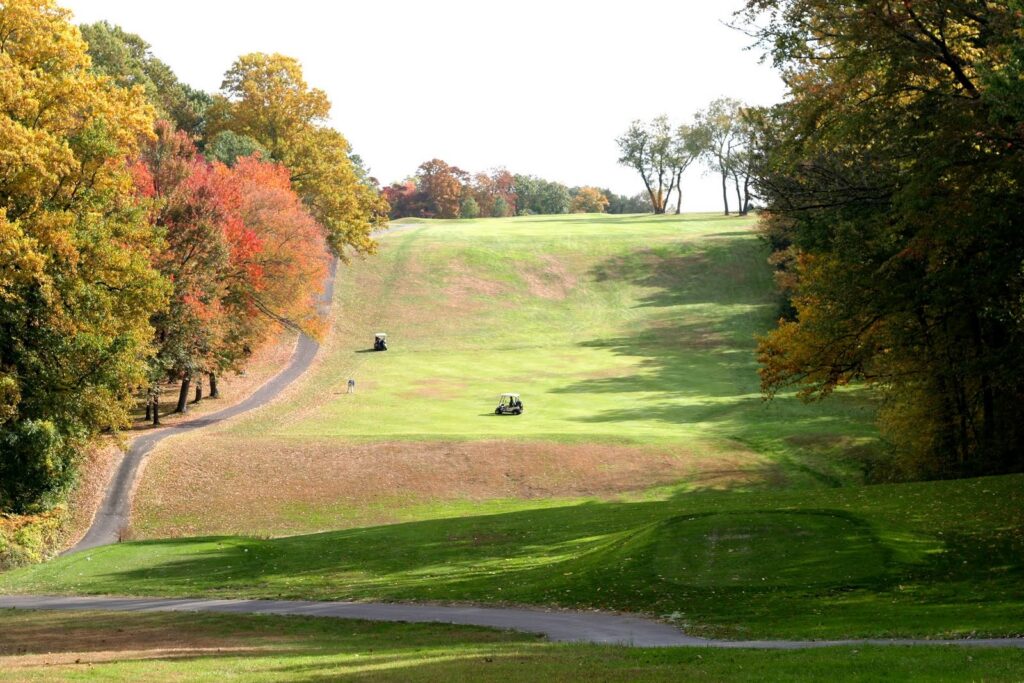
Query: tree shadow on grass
pixel 608 555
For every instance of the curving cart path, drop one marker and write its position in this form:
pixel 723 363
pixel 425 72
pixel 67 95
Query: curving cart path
pixel 558 626
pixel 115 510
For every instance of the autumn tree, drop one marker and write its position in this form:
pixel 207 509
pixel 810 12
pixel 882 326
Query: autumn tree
pixel 441 185
pixel 589 200
pixel 891 175
pixel 266 98
pixel 76 286
pixel 192 212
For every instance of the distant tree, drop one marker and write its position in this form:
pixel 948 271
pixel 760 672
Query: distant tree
pixel 589 200
pixel 441 186
pixel 501 208
pixel 538 196
pixel 406 200
pixel 469 208
pixel 654 151
pixel 724 141
pixel 227 146
pixel 687 144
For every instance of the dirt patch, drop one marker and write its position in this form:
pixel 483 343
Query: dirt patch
pixel 437 388
pixel 550 279
pixel 42 639
pixel 281 488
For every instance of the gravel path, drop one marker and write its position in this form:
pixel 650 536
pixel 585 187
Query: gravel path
pixel 558 626
pixel 115 510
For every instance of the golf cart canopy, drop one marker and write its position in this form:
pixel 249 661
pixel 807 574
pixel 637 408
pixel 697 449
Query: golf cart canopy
pixel 380 335
pixel 510 396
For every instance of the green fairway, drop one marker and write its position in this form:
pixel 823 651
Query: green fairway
pixel 630 338
pixel 153 647
pixel 613 328
pixel 929 559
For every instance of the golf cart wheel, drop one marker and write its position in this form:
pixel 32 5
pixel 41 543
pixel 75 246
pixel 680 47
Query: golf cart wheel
pixel 517 411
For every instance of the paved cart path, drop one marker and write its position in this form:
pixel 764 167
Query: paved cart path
pixel 559 626
pixel 114 513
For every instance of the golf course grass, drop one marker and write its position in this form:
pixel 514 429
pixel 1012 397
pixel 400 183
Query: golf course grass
pixel 630 338
pixel 646 476
pixel 937 559
pixel 194 647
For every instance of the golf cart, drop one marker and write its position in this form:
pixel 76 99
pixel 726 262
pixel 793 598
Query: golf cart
pixel 380 342
pixel 509 404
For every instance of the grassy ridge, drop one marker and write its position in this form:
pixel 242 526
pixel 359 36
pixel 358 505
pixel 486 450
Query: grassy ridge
pixel 929 559
pixel 201 647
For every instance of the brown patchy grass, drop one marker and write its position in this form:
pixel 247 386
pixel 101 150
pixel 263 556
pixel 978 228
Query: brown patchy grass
pixel 552 280
pixel 39 640
pixel 278 487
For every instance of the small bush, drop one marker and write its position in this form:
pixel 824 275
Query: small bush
pixel 26 539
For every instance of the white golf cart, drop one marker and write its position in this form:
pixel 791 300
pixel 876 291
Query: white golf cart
pixel 509 404
pixel 380 342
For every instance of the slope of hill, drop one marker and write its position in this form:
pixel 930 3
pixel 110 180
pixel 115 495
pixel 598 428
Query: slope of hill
pixel 630 338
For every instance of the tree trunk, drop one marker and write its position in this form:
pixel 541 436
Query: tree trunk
pixel 679 197
pixel 740 204
pixel 746 194
pixel 199 389
pixel 213 386
pixel 149 405
pixel 725 191
pixel 156 406
pixel 182 406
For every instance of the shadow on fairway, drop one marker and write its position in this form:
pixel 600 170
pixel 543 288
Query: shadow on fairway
pixel 708 554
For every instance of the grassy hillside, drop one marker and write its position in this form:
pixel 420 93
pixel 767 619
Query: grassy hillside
pixel 193 647
pixel 631 339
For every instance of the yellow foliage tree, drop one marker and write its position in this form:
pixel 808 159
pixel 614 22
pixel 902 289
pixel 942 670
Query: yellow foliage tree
pixel 267 98
pixel 589 200
pixel 76 286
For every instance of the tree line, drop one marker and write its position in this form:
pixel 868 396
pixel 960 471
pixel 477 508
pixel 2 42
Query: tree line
pixel 149 231
pixel 440 190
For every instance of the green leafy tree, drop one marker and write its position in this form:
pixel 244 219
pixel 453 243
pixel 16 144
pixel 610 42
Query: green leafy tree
pixel 127 59
pixel 891 175
pixel 228 146
pixel 469 208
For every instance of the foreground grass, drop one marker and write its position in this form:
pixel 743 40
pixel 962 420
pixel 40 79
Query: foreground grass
pixel 929 559
pixel 133 647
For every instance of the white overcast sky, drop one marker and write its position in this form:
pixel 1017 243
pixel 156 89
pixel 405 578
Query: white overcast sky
pixel 541 87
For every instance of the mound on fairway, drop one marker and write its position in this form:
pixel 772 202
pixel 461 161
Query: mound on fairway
pixel 631 339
